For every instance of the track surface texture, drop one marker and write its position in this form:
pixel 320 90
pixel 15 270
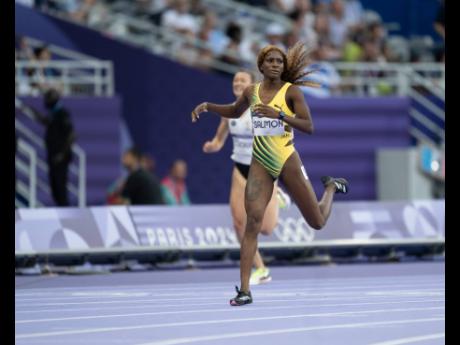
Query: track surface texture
pixel 354 304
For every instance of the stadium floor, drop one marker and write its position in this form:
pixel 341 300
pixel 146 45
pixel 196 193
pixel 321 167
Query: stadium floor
pixel 372 304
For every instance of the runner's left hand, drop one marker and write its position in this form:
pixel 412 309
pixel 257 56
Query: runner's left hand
pixel 266 111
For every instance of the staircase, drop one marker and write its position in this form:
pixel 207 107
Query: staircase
pixel 96 162
pixel 427 124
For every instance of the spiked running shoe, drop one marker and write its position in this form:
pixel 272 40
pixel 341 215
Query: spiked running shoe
pixel 260 276
pixel 241 298
pixel 341 185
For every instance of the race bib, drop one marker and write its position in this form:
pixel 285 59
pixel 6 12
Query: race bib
pixel 267 126
pixel 242 144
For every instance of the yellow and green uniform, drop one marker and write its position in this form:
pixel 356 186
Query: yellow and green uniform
pixel 273 139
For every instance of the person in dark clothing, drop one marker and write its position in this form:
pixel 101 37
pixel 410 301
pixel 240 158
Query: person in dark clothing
pixel 141 187
pixel 59 137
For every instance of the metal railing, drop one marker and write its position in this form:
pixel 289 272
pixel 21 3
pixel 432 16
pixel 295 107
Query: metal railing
pixel 159 40
pixel 84 77
pixel 427 125
pixel 258 18
pixel 29 169
pixel 60 53
pixel 377 79
pixel 77 168
pixel 169 43
pixel 421 82
pixel 357 78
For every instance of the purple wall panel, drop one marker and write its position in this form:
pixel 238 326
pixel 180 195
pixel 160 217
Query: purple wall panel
pixel 167 227
pixel 97 126
pixel 348 131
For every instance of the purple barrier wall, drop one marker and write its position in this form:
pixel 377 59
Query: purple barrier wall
pixel 97 126
pixel 348 131
pixel 163 227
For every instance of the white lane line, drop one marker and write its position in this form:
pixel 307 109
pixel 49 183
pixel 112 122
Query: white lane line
pixel 227 310
pixel 188 340
pixel 186 305
pixel 420 292
pixel 316 281
pixel 120 293
pixel 208 322
pixel 411 339
pixel 124 294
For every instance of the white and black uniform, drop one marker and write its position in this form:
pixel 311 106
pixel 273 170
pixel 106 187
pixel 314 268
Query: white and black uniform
pixel 242 136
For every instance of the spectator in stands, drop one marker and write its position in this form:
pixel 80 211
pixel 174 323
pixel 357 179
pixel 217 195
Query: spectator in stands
pixel 304 21
pixel 179 18
pixel 338 24
pixel 324 74
pixel 143 9
pixel 69 7
pixel 321 27
pixel 148 163
pixel 322 6
pixel 352 49
pixel 257 3
pixel 232 50
pixel 90 12
pixel 212 35
pixel 323 32
pixel 274 35
pixel 187 53
pixel 24 50
pixel 43 76
pixel 285 7
pixel 59 137
pixel 43 55
pixel 214 38
pixel 113 196
pixel 155 9
pixel 377 33
pixel 292 37
pixel 354 12
pixel 372 52
pixel 197 8
pixel 174 187
pixel 141 187
pixel 114 192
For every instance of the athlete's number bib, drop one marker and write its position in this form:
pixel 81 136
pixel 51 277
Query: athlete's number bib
pixel 242 144
pixel 267 126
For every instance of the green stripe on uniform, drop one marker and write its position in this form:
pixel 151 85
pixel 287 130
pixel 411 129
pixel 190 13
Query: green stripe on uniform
pixel 271 171
pixel 265 153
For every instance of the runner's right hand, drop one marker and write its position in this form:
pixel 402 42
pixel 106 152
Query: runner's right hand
pixel 211 147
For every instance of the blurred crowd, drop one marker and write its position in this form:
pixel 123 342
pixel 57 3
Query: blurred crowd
pixel 338 30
